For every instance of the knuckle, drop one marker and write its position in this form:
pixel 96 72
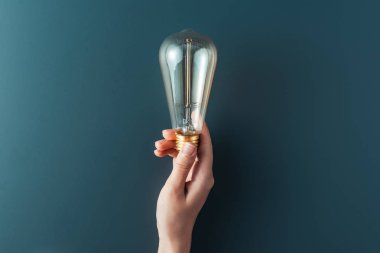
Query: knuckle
pixel 171 191
pixel 183 163
pixel 170 188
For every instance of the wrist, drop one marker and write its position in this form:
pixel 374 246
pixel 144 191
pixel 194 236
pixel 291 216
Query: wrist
pixel 174 246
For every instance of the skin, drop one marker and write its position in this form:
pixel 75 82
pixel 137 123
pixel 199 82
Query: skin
pixel 184 192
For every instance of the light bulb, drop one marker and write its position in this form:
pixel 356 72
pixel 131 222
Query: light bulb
pixel 188 61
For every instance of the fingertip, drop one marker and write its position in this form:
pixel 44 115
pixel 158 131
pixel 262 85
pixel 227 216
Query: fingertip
pixel 158 153
pixel 157 143
pixel 169 134
pixel 166 131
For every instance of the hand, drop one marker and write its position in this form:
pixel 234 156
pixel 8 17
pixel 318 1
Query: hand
pixel 184 192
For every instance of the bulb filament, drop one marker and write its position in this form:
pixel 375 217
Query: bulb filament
pixel 188 128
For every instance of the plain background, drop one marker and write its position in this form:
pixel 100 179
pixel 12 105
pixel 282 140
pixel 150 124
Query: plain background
pixel 294 115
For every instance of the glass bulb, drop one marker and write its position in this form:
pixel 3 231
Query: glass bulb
pixel 188 61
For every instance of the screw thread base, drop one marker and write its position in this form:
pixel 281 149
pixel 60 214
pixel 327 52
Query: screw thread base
pixel 181 139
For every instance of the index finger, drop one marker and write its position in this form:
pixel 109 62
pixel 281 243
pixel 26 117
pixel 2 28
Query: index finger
pixel 169 134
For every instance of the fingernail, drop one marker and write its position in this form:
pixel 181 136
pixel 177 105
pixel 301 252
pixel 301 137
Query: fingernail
pixel 188 149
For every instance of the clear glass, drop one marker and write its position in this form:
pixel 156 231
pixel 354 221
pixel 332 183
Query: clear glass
pixel 188 61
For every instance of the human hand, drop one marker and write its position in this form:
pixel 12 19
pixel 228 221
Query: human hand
pixel 184 192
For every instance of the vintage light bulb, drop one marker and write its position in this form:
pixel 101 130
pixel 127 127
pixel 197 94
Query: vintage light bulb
pixel 188 61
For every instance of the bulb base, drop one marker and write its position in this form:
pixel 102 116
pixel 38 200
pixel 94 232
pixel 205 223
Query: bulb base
pixel 181 139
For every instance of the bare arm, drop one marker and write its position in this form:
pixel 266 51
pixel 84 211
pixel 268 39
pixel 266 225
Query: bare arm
pixel 184 192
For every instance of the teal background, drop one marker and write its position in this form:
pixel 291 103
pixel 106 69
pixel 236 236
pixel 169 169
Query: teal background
pixel 294 115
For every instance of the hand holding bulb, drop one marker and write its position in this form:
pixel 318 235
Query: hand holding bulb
pixel 184 192
pixel 188 61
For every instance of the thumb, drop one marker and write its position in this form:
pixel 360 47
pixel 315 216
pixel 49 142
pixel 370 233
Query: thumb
pixel 182 166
